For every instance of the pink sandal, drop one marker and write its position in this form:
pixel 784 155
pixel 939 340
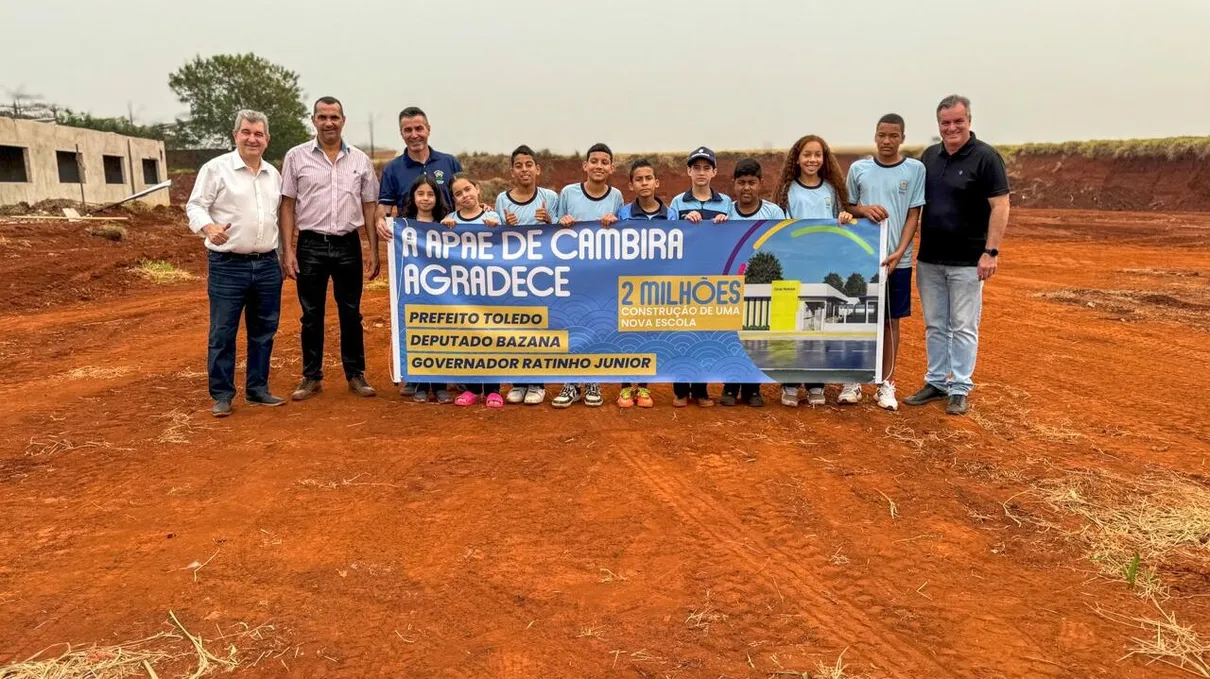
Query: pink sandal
pixel 495 401
pixel 467 398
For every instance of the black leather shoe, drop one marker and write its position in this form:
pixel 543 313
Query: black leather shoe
pixel 221 408
pixel 957 405
pixel 927 394
pixel 266 400
pixel 756 401
pixel 359 386
pixel 728 400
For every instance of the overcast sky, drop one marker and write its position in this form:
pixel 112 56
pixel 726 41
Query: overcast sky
pixel 650 75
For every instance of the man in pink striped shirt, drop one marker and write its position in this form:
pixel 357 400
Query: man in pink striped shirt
pixel 329 192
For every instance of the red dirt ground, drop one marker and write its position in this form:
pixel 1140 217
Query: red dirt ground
pixel 383 538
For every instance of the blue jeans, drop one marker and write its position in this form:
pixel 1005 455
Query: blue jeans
pixel 952 297
pixel 250 286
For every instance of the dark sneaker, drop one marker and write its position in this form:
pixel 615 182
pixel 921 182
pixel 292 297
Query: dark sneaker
pixel 444 397
pixel 756 400
pixel 592 395
pixel 420 396
pixel 306 389
pixel 927 394
pixel 221 408
pixel 407 389
pixel 728 400
pixel 567 396
pixel 957 405
pixel 265 400
pixel 359 386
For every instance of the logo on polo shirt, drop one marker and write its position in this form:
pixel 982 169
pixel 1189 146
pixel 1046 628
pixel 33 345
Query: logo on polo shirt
pixel 439 176
pixel 903 186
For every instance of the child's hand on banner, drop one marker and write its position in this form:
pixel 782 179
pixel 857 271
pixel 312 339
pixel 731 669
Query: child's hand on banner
pixel 609 220
pixel 694 217
pixel 449 222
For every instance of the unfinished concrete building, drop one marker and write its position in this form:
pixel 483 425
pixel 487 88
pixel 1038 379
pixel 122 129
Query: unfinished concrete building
pixel 44 161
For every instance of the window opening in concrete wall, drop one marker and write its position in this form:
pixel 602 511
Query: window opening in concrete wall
pixel 151 171
pixel 113 170
pixel 12 164
pixel 69 166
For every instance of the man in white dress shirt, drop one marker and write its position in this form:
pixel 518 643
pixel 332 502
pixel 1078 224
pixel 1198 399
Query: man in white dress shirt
pixel 234 206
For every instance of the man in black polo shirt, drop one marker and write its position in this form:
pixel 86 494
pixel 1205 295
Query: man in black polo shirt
pixel 965 214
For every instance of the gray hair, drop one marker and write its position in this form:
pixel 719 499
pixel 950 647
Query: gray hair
pixel 252 117
pixel 953 100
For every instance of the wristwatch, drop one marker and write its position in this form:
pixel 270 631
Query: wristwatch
pixel 991 251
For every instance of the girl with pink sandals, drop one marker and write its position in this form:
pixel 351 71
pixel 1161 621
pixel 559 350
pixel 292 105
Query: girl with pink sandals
pixel 470 211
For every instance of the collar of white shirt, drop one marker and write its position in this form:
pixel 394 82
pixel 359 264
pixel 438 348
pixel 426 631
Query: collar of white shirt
pixel 237 162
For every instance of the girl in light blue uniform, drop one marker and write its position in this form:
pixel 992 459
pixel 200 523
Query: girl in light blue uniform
pixel 812 187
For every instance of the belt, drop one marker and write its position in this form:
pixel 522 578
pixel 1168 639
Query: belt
pixel 246 255
pixel 327 238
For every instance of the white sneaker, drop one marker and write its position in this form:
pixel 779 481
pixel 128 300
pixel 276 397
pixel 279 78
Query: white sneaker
pixel 815 396
pixel 567 396
pixel 535 395
pixel 850 394
pixel 515 395
pixel 592 395
pixel 886 396
pixel 789 396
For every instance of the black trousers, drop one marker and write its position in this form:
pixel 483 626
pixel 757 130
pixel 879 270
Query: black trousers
pixel 687 389
pixel 744 391
pixel 337 258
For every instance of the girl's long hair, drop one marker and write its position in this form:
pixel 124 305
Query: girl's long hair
pixel 440 209
pixel 829 171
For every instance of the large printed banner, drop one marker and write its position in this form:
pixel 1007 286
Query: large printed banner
pixel 741 301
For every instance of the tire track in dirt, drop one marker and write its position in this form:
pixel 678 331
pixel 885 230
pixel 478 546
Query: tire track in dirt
pixel 878 646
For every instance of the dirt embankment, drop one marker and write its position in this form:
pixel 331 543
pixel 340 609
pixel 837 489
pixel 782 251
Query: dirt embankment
pixel 1066 181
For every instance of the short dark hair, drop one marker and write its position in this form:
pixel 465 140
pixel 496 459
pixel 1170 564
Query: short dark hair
pixel 599 148
pixel 328 101
pixel 953 100
pixel 412 112
pixel 522 150
pixel 893 119
pixel 639 164
pixel 748 167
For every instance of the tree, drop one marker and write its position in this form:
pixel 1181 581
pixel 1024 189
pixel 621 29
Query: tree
pixel 833 279
pixel 764 267
pixel 855 286
pixel 217 87
pixel 875 278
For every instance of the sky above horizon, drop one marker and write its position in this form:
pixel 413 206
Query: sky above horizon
pixel 649 75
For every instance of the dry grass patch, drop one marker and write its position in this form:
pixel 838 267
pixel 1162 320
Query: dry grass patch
pixel 90 372
pixel 136 658
pixel 1132 527
pixel 179 426
pixel 380 283
pixel 162 272
pixel 1167 642
pixel 113 232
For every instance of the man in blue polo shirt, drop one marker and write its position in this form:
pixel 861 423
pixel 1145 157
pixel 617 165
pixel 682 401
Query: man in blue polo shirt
pixel 419 158
pixel 965 215
pixel 701 201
